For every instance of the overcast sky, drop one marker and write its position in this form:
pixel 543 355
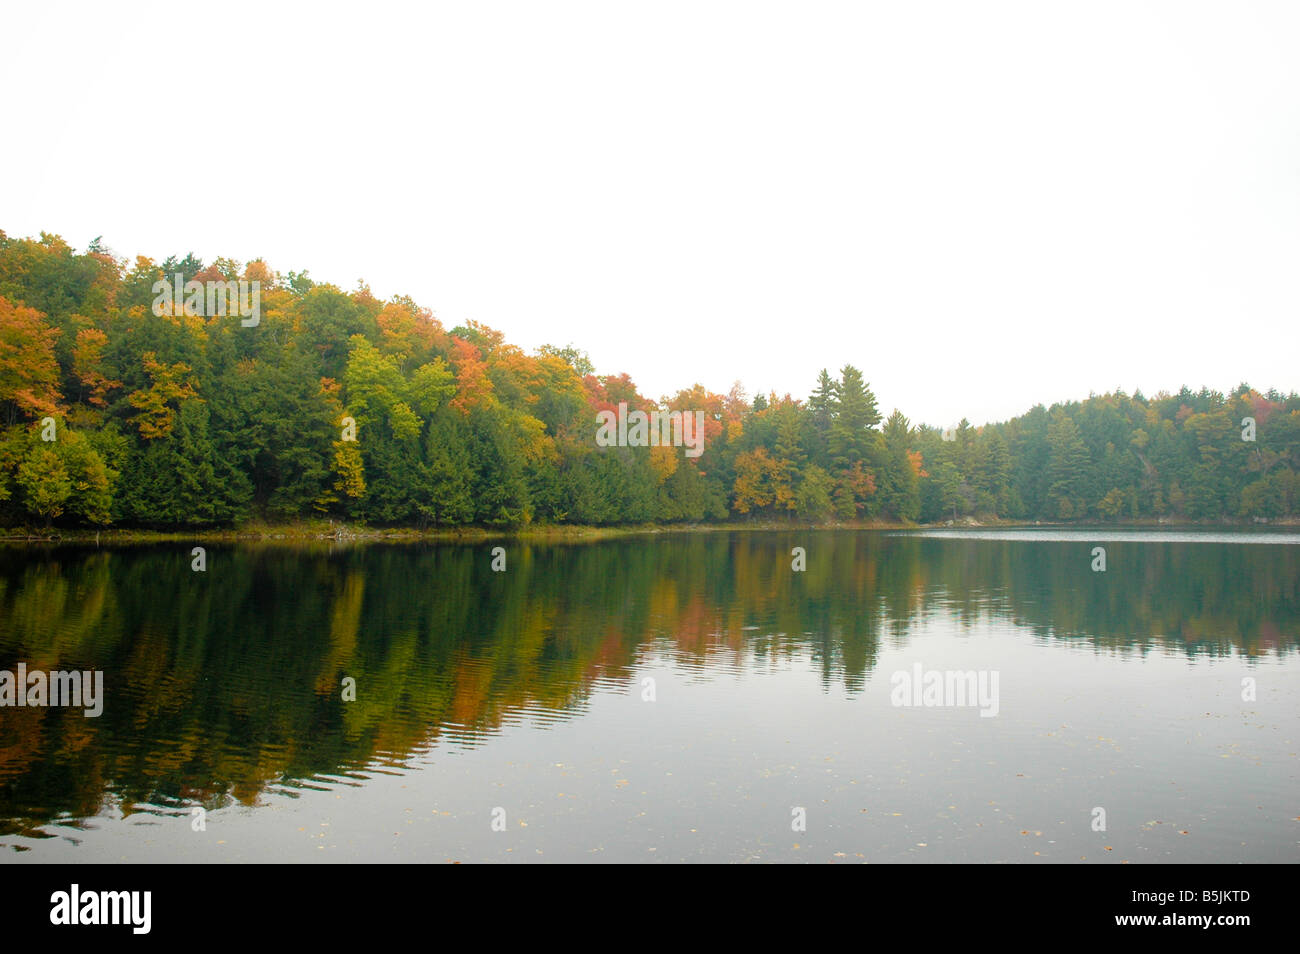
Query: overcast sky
pixel 982 205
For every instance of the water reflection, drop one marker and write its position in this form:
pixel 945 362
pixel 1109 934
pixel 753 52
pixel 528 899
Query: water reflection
pixel 227 684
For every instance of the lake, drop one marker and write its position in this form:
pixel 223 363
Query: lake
pixel 941 696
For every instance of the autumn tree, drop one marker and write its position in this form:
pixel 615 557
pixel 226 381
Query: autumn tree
pixel 29 371
pixel 157 404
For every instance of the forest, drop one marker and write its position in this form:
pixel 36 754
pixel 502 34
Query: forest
pixel 339 404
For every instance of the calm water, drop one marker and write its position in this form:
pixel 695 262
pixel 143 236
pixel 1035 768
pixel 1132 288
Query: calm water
pixel 667 698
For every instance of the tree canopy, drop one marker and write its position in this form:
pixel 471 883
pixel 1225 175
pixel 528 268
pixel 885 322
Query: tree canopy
pixel 337 403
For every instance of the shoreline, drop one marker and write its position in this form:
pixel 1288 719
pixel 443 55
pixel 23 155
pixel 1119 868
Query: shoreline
pixel 328 532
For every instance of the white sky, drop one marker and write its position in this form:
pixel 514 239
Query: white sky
pixel 982 205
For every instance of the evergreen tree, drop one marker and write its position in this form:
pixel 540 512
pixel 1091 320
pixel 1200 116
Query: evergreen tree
pixel 1066 460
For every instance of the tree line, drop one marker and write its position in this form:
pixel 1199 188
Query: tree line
pixel 341 404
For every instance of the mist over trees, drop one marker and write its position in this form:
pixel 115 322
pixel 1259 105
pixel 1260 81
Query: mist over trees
pixel 183 420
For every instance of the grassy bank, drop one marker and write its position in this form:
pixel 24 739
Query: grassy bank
pixel 323 530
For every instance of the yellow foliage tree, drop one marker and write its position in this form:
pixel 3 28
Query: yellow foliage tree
pixel 157 404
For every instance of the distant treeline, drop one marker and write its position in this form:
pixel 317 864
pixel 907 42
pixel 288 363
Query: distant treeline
pixel 111 413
